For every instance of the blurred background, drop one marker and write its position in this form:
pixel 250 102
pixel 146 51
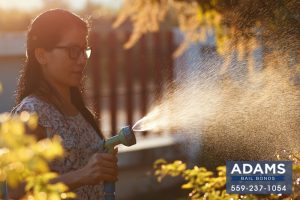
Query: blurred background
pixel 111 70
pixel 141 49
pixel 121 84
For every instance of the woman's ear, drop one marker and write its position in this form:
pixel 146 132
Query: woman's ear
pixel 40 55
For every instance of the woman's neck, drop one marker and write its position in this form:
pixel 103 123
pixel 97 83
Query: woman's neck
pixel 64 94
pixel 64 101
pixel 66 104
pixel 63 91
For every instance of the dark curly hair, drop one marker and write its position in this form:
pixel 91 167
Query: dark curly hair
pixel 45 31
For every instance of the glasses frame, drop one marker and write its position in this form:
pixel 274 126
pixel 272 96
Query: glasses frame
pixel 86 51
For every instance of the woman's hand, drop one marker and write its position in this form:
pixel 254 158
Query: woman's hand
pixel 100 167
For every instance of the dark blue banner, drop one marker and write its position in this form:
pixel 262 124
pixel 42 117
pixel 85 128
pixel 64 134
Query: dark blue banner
pixel 259 177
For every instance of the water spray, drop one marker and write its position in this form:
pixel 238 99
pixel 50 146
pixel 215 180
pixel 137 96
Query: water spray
pixel 125 137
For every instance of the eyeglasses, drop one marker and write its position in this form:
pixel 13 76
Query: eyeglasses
pixel 76 51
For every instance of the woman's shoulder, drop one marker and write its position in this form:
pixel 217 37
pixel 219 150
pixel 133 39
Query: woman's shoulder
pixel 34 104
pixel 48 115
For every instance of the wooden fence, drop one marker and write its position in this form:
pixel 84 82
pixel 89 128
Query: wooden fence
pixel 126 82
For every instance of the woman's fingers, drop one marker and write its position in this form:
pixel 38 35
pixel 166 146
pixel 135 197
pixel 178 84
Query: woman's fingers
pixel 109 171
pixel 101 166
pixel 108 164
pixel 115 152
pixel 109 157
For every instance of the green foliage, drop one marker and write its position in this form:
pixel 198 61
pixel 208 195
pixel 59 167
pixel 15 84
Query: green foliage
pixel 24 159
pixel 193 19
pixel 205 184
pixel 230 20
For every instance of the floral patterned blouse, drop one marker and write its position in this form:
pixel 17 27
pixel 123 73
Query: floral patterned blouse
pixel 79 139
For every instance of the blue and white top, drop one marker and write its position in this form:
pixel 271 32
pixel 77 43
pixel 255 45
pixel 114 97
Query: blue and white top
pixel 79 140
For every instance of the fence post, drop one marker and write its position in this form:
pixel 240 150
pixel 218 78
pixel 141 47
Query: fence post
pixel 157 65
pixel 170 50
pixel 128 82
pixel 143 72
pixel 112 71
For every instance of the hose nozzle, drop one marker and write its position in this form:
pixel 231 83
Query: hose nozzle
pixel 125 137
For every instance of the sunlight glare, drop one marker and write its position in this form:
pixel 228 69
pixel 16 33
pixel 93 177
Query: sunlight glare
pixel 21 4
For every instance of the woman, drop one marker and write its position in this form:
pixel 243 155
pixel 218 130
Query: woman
pixel 50 85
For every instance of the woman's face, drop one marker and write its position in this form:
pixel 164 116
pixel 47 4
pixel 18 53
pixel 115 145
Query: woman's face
pixel 63 67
